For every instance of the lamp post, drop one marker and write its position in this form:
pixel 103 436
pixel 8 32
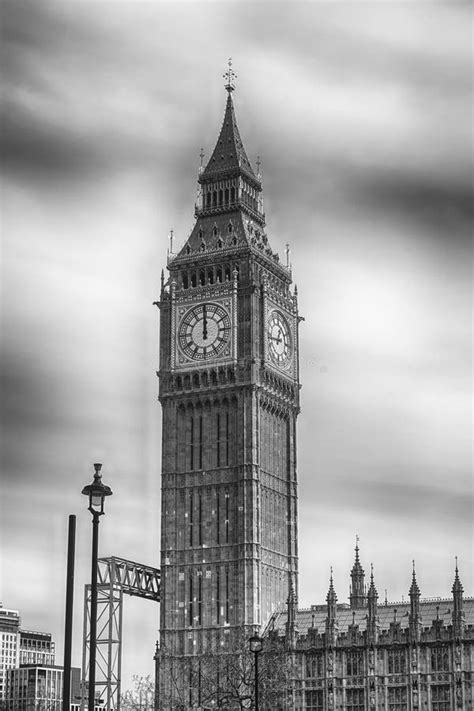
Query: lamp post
pixel 96 491
pixel 256 644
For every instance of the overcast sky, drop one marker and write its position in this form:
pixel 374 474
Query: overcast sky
pixel 361 113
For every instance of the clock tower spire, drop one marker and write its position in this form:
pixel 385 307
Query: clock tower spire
pixel 229 392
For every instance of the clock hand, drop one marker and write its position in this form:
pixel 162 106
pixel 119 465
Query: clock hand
pixel 204 323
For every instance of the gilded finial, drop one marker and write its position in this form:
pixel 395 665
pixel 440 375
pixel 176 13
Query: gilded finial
pixel 229 76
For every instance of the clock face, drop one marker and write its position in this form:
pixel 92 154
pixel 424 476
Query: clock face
pixel 204 331
pixel 279 340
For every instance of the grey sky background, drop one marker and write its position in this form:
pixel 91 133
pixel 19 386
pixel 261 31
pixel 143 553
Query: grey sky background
pixel 362 115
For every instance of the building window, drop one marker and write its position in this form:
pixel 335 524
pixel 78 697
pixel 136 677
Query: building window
pixel 191 600
pixel 191 444
pixel 314 700
pixel 191 517
pixel 396 661
pixel 227 514
pixel 218 439
pixel 218 517
pixel 355 700
pixel 218 594
pixel 227 438
pixel 200 441
pixel 314 666
pixel 227 596
pixel 200 519
pixel 439 659
pixel 397 698
pixel 199 598
pixel 440 698
pixel 354 664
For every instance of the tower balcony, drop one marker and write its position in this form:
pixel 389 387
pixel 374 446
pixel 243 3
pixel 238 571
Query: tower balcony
pixel 207 211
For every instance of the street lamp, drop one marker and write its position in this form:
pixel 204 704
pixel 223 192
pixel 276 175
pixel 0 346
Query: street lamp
pixel 256 644
pixel 97 491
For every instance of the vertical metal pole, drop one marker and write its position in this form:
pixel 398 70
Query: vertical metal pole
pixel 93 634
pixel 71 547
pixel 256 681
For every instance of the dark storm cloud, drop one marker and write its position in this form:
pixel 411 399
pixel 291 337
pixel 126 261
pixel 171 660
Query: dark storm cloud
pixel 31 35
pixel 29 144
pixel 398 497
pixel 59 70
pixel 368 42
pixel 439 205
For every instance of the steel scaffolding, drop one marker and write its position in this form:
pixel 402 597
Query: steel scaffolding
pixel 115 577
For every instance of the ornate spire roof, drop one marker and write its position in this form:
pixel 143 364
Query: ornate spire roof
pixel 331 597
pixel 229 153
pixel 457 585
pixel 414 589
pixel 229 204
pixel 357 568
pixel 372 592
pixel 357 594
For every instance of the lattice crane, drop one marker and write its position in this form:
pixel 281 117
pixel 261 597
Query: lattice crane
pixel 115 577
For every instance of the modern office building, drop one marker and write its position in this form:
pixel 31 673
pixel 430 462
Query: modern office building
pixel 39 687
pixel 9 644
pixel 20 648
pixel 36 648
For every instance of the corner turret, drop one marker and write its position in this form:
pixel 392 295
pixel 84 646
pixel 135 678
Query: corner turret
pixel 458 613
pixel 292 605
pixel 372 619
pixel 357 594
pixel 415 614
pixel 331 619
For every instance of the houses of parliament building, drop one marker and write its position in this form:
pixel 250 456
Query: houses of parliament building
pixel 229 391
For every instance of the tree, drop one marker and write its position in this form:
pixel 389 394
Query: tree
pixel 226 680
pixel 141 697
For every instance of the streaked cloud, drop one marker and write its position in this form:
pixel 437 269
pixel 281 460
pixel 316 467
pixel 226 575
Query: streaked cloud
pixel 362 115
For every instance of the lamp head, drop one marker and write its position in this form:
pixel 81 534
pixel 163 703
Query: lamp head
pixel 256 644
pixel 97 491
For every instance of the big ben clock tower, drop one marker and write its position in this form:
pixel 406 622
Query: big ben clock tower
pixel 229 392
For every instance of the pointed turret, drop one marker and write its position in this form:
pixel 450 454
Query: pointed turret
pixel 372 619
pixel 415 614
pixel 357 595
pixel 331 619
pixel 458 613
pixel 292 605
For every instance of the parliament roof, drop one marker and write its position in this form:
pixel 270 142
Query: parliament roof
pixel 430 610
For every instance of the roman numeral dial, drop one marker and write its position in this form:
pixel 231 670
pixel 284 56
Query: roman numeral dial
pixel 204 331
pixel 279 340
